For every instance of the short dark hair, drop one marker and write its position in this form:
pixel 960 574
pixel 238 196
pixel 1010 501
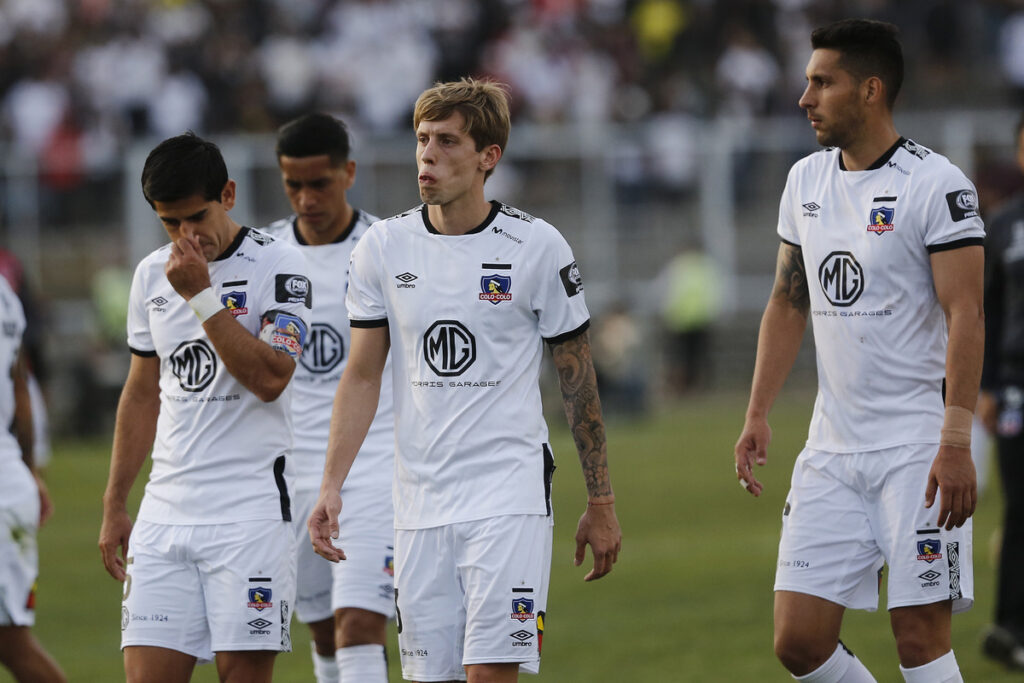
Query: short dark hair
pixel 866 48
pixel 182 167
pixel 314 134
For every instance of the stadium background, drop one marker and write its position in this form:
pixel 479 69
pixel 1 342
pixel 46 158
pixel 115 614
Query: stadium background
pixel 641 128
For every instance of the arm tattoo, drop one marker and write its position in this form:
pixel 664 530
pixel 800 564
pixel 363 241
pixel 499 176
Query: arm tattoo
pixel 791 279
pixel 578 382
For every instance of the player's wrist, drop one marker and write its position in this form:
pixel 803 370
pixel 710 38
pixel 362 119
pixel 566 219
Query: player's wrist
pixel 601 500
pixel 956 427
pixel 205 304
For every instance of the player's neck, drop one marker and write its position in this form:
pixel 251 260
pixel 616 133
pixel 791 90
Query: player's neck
pixel 317 238
pixel 873 142
pixel 460 216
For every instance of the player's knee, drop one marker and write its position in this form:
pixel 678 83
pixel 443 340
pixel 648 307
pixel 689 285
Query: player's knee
pixel 355 626
pixel 799 652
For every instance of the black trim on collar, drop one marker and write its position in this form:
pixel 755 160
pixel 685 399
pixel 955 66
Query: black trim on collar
pixel 340 238
pixel 956 244
pixel 880 162
pixel 235 244
pixel 495 207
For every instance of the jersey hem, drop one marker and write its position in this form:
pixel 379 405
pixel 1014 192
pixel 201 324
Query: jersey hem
pixel 472 518
pixel 870 448
pixel 203 522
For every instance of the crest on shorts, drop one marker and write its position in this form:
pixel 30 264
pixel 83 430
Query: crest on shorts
pixel 929 550
pixel 389 565
pixel 260 598
pixel 522 609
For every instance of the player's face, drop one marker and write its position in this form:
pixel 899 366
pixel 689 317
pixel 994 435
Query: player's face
pixel 316 191
pixel 448 162
pixel 832 100
pixel 206 220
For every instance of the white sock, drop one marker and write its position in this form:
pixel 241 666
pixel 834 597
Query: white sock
pixel 941 670
pixel 842 667
pixel 325 668
pixel 362 664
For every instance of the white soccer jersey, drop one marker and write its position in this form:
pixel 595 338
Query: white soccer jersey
pixel 879 330
pixel 323 360
pixel 14 474
pixel 220 452
pixel 468 316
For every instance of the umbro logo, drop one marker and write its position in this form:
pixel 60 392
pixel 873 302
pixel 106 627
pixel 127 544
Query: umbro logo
pixel 158 303
pixel 811 209
pixel 406 279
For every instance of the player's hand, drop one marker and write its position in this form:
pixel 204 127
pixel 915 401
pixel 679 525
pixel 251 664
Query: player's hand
pixel 598 528
pixel 751 449
pixel 45 503
pixel 952 474
pixel 323 526
pixel 186 267
pixel 114 533
pixel 988 411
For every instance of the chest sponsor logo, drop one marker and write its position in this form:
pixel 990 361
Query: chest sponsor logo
pixel 929 550
pixel 194 364
pixel 293 289
pixel 234 302
pixel 324 349
pixel 405 280
pixel 495 288
pixel 811 209
pixel 507 235
pixel 881 220
pixel 841 278
pixel 449 348
pixel 522 609
pixel 963 204
pixel 571 279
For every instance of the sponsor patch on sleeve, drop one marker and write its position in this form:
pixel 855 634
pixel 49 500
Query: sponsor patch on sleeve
pixel 293 289
pixel 571 279
pixel 963 204
pixel 283 332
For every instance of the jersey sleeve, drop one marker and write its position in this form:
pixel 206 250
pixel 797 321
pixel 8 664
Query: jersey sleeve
pixel 365 298
pixel 952 216
pixel 286 301
pixel 558 300
pixel 787 224
pixel 140 338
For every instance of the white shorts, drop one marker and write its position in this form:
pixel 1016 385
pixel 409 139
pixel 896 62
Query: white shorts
pixel 210 588
pixel 472 593
pixel 847 514
pixel 19 555
pixel 365 580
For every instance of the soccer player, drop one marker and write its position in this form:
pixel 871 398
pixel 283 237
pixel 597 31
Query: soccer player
pixel 881 247
pixel 346 605
pixel 216 322
pixel 465 293
pixel 1002 410
pixel 24 507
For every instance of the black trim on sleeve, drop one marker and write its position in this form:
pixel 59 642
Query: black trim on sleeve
pixel 956 244
pixel 366 324
pixel 792 244
pixel 282 489
pixel 566 336
pixel 141 353
pixel 549 473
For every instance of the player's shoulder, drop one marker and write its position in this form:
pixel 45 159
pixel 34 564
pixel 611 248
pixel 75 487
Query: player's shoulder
pixel 283 229
pixel 518 225
pixel 816 162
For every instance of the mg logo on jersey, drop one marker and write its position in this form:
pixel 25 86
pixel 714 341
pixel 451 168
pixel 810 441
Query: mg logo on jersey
pixel 449 348
pixel 194 364
pixel 841 278
pixel 324 349
pixel 495 288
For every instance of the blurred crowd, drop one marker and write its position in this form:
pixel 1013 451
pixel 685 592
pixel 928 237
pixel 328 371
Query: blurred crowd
pixel 81 78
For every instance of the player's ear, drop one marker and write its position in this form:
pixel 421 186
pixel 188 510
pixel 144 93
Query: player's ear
pixel 350 173
pixel 873 90
pixel 489 157
pixel 227 195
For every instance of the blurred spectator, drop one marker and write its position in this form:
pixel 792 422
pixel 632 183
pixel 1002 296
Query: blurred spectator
pixel 619 360
pixel 1011 53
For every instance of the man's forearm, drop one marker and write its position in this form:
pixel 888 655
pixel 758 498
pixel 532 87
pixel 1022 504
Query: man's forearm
pixel 578 382
pixel 964 356
pixel 778 343
pixel 134 432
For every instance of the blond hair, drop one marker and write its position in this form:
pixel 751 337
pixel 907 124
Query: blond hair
pixel 482 103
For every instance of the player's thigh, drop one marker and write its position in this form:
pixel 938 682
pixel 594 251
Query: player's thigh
pixel 19 555
pixel 430 614
pixel 927 564
pixel 148 664
pixel 162 600
pixel 505 564
pixel 248 576
pixel 246 667
pixel 366 580
pixel 827 548
pixel 314 574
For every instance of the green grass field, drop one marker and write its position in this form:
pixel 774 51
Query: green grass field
pixel 689 600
